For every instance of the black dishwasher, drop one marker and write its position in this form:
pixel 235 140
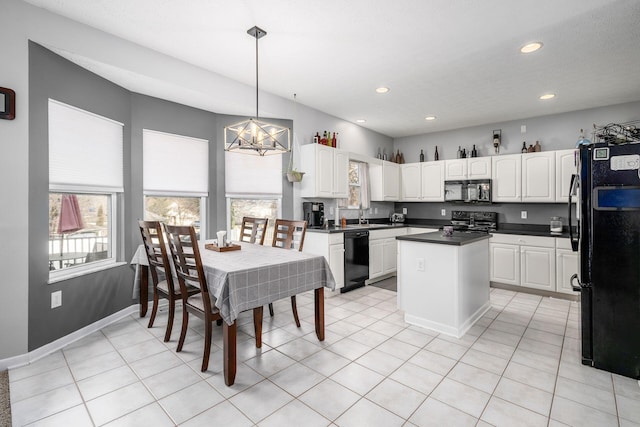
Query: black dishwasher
pixel 356 259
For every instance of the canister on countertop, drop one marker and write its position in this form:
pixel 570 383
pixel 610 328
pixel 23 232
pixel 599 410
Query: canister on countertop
pixel 555 225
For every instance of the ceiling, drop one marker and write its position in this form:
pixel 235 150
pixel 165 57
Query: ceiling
pixel 456 60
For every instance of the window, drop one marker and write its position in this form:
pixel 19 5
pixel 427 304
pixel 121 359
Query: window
pixel 175 192
pixel 253 186
pixel 354 185
pixel 85 177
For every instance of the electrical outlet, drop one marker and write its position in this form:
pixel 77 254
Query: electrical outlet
pixel 404 211
pixel 420 264
pixel 375 210
pixel 56 299
pixel 443 212
pixel 370 211
pixel 523 214
pixel 523 129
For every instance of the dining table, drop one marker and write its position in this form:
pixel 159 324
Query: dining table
pixel 250 278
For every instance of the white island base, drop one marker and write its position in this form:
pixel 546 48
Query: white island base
pixel 443 286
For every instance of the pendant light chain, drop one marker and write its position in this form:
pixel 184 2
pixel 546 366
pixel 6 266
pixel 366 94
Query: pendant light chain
pixel 257 74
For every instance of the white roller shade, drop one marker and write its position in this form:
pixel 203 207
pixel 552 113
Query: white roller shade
pixel 175 164
pixel 252 175
pixel 85 149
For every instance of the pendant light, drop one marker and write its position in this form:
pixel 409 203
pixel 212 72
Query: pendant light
pixel 254 136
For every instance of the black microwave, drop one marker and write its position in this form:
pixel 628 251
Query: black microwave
pixel 468 191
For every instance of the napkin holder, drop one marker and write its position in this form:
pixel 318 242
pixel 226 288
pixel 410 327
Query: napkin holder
pixel 230 247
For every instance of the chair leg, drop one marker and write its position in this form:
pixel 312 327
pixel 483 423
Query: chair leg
pixel 154 310
pixel 183 332
pixel 294 307
pixel 271 309
pixel 207 344
pixel 172 312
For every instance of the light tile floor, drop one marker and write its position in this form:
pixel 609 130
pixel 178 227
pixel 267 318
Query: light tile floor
pixel 518 366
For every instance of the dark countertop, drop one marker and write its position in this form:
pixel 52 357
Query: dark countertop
pixel 503 228
pixel 457 239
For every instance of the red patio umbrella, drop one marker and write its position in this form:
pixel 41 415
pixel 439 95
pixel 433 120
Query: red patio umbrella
pixel 70 216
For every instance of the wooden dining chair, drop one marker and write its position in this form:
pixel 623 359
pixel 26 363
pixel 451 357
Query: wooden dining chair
pixel 253 230
pixel 160 267
pixel 183 243
pixel 288 234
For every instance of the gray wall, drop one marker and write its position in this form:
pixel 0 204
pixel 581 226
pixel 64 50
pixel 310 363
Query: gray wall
pixel 90 297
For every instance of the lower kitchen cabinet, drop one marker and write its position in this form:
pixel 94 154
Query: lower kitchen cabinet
pixel 566 266
pixel 538 267
pixel 331 246
pixel 504 263
pixel 389 256
pixel 375 258
pixel 383 251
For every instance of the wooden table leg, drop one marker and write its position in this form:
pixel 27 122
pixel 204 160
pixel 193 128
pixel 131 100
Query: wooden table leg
pixel 319 315
pixel 229 344
pixel 257 325
pixel 144 289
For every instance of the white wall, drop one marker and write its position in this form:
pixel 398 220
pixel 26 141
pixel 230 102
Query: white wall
pixel 555 132
pixel 14 188
pixel 158 75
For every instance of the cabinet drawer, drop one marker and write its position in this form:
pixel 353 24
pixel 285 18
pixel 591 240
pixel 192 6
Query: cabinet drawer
pixel 336 238
pixel 387 233
pixel 563 243
pixel 519 239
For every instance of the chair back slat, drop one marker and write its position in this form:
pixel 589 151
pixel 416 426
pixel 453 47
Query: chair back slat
pixel 156 250
pixel 183 243
pixel 253 229
pixel 289 234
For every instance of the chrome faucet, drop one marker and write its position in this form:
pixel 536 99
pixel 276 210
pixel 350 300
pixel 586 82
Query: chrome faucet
pixel 361 219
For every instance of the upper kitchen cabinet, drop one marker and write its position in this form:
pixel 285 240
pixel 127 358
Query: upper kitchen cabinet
pixel 565 167
pixel 385 181
pixel 422 182
pixel 326 171
pixel 469 168
pixel 539 177
pixel 506 175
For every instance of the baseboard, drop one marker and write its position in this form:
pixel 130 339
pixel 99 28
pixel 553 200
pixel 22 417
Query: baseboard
pixel 47 349
pixel 533 291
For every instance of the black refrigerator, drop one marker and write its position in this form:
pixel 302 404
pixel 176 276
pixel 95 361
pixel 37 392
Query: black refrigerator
pixel 607 238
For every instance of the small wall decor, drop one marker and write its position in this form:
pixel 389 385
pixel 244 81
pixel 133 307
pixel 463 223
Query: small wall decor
pixel 7 104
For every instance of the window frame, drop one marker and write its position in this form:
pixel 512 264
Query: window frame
pixel 357 185
pixel 203 205
pixel 231 197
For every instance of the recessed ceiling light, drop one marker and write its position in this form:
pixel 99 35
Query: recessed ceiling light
pixel 531 47
pixel 430 118
pixel 547 96
pixel 361 121
pixel 382 89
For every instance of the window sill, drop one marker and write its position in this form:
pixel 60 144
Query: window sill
pixel 83 272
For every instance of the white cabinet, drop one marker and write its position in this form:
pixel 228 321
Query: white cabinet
pixel 455 169
pixel 411 175
pixel 432 178
pixel 566 266
pixel 506 178
pixel 385 181
pixel 330 246
pixel 469 168
pixel 422 182
pixel 383 251
pixel 565 167
pixel 523 260
pixel 539 177
pixel 504 263
pixel 538 267
pixel 479 168
pixel 326 172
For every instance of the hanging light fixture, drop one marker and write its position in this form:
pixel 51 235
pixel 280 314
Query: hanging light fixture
pixel 254 136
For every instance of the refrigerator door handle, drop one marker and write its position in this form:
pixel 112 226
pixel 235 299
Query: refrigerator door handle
pixel 574 239
pixel 576 287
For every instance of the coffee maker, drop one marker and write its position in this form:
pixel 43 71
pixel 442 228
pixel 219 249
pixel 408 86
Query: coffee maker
pixel 313 213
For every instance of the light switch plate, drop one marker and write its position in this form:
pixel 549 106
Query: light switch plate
pixel 404 211
pixel 523 129
pixel 523 214
pixel 443 212
pixel 420 264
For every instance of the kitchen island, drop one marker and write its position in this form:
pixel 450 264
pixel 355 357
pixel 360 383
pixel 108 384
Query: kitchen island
pixel 443 282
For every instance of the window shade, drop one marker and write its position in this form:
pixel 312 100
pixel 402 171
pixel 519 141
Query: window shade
pixel 175 164
pixel 252 175
pixel 85 149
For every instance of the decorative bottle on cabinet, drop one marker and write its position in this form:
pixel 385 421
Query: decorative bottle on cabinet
pixel 464 153
pixel 459 152
pixel 436 156
pixel 421 156
pixel 316 139
pixel 334 141
pixel 537 147
pixel 323 140
pixel 474 153
pixel 524 146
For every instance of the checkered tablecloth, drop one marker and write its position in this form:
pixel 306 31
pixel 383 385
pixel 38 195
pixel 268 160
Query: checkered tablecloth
pixel 256 275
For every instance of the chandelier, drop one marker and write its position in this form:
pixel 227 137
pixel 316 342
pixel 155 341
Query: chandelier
pixel 254 136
